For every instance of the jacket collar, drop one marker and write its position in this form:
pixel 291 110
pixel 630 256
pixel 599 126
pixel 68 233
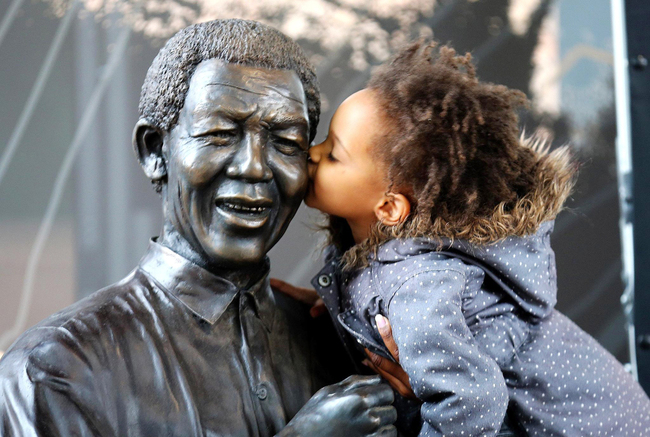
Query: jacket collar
pixel 204 293
pixel 523 267
pixel 400 249
pixel 328 280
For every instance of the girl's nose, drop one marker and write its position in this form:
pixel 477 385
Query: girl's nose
pixel 315 153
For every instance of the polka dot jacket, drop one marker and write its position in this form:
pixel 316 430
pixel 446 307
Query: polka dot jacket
pixel 477 334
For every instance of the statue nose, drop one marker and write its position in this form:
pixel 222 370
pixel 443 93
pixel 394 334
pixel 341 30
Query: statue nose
pixel 249 162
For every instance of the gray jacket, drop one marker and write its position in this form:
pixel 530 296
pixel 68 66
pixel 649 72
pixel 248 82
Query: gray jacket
pixel 477 331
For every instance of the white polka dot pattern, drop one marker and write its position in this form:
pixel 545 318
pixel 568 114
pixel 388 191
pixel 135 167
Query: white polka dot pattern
pixel 462 388
pixel 477 329
pixel 566 384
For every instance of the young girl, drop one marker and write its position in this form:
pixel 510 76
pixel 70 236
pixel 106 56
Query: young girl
pixel 440 216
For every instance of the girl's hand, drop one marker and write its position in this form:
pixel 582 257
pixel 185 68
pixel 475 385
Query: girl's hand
pixel 391 372
pixel 304 295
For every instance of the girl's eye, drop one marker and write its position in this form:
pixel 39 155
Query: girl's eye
pixel 331 157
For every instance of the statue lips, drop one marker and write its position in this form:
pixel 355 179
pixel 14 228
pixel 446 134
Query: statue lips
pixel 243 211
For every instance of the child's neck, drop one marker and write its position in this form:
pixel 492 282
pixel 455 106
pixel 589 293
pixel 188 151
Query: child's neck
pixel 360 231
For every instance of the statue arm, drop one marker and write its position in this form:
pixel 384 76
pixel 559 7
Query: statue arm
pixel 39 389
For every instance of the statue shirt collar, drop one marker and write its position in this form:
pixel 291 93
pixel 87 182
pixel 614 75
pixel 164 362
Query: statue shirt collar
pixel 205 294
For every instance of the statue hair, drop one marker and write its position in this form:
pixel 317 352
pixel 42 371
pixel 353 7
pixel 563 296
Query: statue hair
pixel 234 41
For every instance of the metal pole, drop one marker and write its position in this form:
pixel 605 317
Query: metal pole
pixel 624 169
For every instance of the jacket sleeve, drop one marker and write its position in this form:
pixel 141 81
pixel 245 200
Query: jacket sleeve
pixel 462 389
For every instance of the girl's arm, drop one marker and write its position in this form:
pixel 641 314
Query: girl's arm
pixel 462 388
pixel 304 295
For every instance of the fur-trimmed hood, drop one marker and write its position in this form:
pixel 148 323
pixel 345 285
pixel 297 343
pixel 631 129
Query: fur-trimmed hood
pixel 555 178
pixel 521 267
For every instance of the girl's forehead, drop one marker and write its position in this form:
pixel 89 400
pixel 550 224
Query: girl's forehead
pixel 362 104
pixel 357 120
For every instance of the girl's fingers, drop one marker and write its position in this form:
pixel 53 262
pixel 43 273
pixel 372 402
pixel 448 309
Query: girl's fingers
pixel 388 366
pixel 391 372
pixel 318 308
pixel 387 335
pixel 393 381
pixel 304 295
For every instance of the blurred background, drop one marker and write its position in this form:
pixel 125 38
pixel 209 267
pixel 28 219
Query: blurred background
pixel 76 211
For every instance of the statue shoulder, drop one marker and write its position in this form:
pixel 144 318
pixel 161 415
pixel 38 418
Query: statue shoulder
pixel 76 331
pixel 67 368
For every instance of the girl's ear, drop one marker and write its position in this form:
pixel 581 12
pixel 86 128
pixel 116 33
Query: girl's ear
pixel 393 209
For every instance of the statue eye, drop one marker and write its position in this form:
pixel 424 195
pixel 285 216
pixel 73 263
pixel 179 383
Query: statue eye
pixel 286 146
pixel 226 134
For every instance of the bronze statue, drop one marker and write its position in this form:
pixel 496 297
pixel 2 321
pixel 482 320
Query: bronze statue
pixel 194 342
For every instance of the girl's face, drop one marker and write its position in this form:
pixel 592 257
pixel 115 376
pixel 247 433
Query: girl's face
pixel 345 179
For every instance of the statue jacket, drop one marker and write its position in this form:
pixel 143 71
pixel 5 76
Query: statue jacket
pixel 171 350
pixel 478 335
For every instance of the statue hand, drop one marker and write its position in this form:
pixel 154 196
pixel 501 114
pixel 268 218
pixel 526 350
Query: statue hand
pixel 357 406
pixel 391 372
pixel 304 295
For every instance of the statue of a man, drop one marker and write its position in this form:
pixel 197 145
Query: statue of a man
pixel 193 341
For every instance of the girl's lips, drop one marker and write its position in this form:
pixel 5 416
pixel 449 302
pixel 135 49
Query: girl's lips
pixel 309 194
pixel 311 170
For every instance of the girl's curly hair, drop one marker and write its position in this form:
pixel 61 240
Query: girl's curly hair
pixel 453 147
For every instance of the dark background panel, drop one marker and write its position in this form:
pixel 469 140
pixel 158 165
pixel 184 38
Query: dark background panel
pixel 638 40
pixel 110 210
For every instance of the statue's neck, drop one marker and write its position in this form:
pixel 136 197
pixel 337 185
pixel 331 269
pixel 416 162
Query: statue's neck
pixel 241 275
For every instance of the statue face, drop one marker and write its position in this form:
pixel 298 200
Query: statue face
pixel 236 162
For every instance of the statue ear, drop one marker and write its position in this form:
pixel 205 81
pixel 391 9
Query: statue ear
pixel 148 145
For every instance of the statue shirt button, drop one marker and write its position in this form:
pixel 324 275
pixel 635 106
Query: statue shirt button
pixel 262 393
pixel 324 280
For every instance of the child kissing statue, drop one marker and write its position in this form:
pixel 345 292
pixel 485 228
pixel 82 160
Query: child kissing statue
pixel 440 216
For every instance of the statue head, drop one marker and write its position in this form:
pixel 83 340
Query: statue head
pixel 228 110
